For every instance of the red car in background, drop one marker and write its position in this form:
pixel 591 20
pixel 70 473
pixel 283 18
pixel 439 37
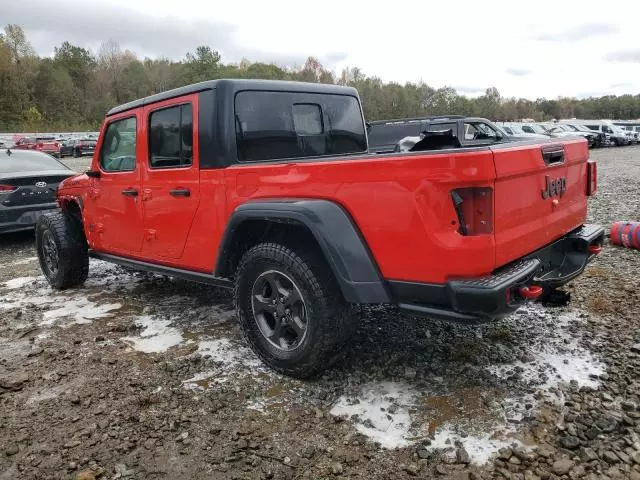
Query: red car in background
pixel 43 144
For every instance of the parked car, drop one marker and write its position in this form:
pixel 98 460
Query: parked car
pixel 396 135
pixel 600 138
pixel 25 143
pixel 83 146
pixel 560 130
pixel 282 202
pixel 631 132
pixel 535 128
pixel 383 135
pixel 614 134
pixel 515 130
pixel 44 144
pixel 28 183
pixel 66 147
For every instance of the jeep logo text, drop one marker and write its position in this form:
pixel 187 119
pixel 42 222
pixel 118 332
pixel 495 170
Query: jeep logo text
pixel 554 188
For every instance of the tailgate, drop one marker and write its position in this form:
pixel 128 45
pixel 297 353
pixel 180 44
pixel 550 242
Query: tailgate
pixel 538 197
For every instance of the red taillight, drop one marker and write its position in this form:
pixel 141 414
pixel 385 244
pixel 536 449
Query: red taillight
pixel 592 178
pixel 474 208
pixel 7 188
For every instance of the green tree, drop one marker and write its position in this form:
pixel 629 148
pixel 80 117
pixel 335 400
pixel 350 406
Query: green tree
pixel 202 65
pixel 77 61
pixel 74 89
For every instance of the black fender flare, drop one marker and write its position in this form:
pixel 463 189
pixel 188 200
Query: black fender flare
pixel 337 235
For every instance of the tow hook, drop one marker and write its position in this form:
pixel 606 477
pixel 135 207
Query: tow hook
pixel 594 249
pixel 531 292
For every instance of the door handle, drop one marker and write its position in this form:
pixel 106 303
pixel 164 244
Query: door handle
pixel 130 192
pixel 180 192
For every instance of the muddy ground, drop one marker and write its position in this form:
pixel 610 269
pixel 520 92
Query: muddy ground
pixel 146 377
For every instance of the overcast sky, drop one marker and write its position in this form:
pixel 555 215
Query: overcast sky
pixel 531 49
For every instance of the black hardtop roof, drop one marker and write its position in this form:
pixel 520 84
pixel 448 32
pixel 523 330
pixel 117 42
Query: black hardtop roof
pixel 237 85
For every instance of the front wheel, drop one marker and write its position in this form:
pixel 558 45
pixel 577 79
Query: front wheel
pixel 62 250
pixel 290 310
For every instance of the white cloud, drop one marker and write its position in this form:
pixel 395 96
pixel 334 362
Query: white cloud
pixel 551 49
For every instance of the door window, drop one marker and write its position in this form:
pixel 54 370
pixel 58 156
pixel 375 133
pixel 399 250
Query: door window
pixel 171 137
pixel 118 152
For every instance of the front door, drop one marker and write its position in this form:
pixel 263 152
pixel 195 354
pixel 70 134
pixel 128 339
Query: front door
pixel 114 198
pixel 171 182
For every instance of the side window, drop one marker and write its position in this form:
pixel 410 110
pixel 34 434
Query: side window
pixel 307 119
pixel 279 125
pixel 118 153
pixel 606 129
pixel 479 131
pixel 527 129
pixel 171 137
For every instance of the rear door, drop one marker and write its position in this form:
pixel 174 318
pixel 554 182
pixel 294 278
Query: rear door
pixel 171 184
pixel 113 204
pixel 540 194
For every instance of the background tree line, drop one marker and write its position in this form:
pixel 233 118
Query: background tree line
pixel 74 89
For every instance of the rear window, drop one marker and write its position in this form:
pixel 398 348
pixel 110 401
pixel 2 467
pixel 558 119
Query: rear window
pixel 278 125
pixel 28 161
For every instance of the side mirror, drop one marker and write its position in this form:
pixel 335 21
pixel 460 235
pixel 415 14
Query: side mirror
pixel 93 173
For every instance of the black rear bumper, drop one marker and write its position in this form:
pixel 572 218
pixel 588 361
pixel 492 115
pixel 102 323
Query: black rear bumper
pixel 495 296
pixel 18 218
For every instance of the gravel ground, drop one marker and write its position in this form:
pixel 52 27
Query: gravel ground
pixel 146 377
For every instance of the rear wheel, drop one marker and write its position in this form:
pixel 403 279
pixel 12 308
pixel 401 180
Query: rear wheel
pixel 290 310
pixel 62 250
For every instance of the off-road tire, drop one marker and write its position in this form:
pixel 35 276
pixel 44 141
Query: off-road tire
pixel 71 247
pixel 330 320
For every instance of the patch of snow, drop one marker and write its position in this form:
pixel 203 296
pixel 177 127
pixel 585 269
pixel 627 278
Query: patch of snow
pixel 81 309
pixel 370 411
pixel 583 368
pixel 157 336
pixel 25 261
pixel 221 350
pixel 19 282
pixel 555 359
pixel 231 360
pixel 203 380
pixel 560 358
pixel 479 447
pixel 258 406
pixel 29 292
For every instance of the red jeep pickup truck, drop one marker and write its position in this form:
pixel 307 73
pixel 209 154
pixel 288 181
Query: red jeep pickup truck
pixel 268 188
